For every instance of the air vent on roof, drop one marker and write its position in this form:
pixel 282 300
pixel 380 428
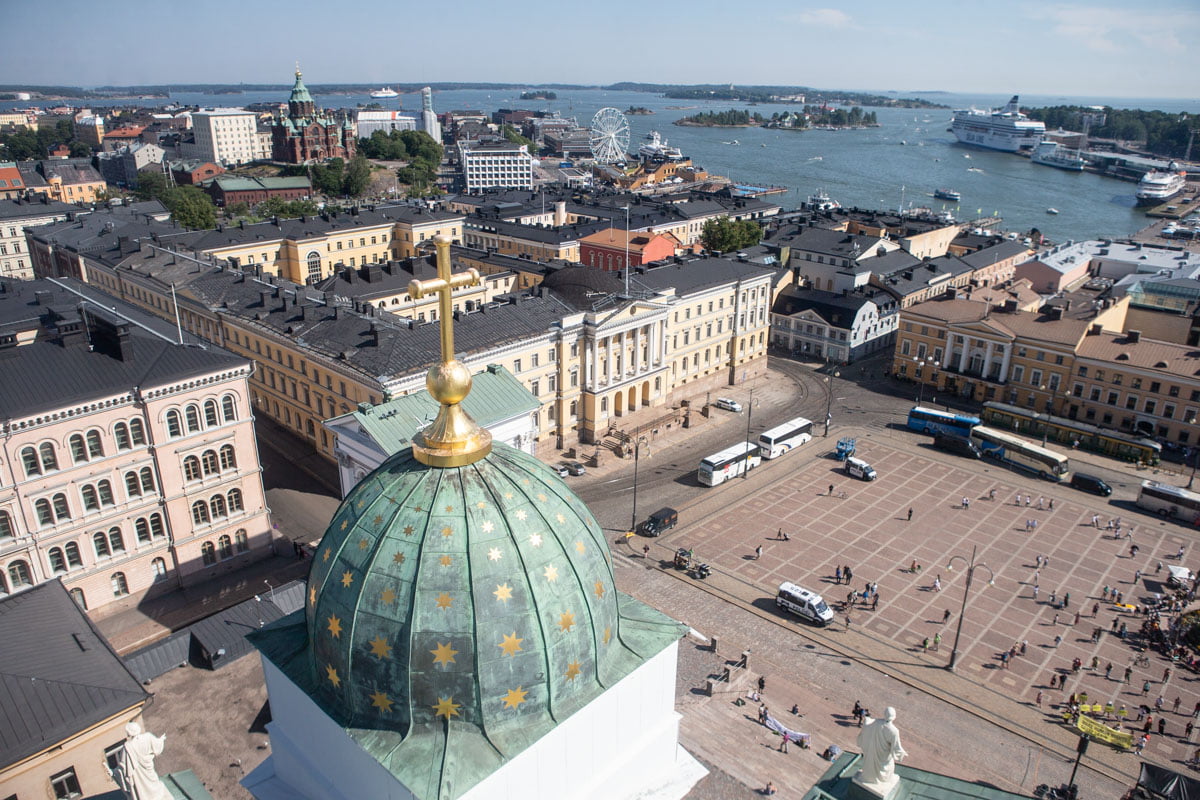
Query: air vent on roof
pixel 1161 365
pixel 1123 357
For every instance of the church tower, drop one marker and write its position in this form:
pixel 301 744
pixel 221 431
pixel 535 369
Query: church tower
pixel 463 636
pixel 300 104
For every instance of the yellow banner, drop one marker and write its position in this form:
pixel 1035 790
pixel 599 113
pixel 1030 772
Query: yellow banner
pixel 1102 733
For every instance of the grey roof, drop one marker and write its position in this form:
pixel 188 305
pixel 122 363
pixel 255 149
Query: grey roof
pixel 985 257
pixel 371 280
pixel 560 235
pixel 161 657
pixel 888 263
pixel 923 275
pixel 586 288
pixel 58 674
pixel 27 209
pixel 833 243
pixel 838 310
pixel 222 637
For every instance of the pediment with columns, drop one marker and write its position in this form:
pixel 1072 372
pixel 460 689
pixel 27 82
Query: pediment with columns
pixel 983 328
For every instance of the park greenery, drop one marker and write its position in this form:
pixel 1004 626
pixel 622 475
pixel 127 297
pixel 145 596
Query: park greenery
pixel 539 94
pixel 773 94
pixel 823 117
pixel 725 235
pixel 513 135
pixel 24 144
pixel 733 118
pixel 335 178
pixel 418 148
pixel 189 205
pixel 1162 133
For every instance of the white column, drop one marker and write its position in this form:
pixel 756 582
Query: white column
pixel 608 349
pixel 949 354
pixel 987 360
pixel 962 359
pixel 593 369
pixel 1004 363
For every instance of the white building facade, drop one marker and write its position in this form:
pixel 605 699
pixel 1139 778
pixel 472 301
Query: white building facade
pixel 487 166
pixel 227 136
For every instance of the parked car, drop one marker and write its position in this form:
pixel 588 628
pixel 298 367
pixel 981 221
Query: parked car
pixel 1090 483
pixel 729 404
pixel 575 468
pixel 857 468
pixel 660 521
pixel 562 470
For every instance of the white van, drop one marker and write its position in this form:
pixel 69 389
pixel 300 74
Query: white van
pixel 857 468
pixel 804 603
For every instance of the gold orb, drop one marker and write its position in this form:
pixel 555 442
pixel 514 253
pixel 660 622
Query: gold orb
pixel 448 382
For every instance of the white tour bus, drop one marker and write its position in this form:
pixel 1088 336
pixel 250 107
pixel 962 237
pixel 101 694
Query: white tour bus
pixel 1020 453
pixel 1169 501
pixel 729 463
pixel 779 440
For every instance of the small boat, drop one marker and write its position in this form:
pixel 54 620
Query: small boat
pixel 735 141
pixel 1051 210
pixel 903 141
pixel 974 169
pixel 947 194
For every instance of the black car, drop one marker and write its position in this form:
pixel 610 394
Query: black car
pixel 958 445
pixel 1090 483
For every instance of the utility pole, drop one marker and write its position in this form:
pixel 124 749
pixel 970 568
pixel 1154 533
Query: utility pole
pixel 749 415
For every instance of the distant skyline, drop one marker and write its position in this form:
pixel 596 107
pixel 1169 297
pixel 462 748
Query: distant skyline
pixel 1108 48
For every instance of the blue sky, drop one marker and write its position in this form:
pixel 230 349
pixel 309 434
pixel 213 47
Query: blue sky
pixel 1092 47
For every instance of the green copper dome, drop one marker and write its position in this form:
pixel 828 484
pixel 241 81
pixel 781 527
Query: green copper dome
pixel 456 615
pixel 300 91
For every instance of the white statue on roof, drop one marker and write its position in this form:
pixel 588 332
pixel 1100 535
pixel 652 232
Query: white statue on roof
pixel 880 743
pixel 137 777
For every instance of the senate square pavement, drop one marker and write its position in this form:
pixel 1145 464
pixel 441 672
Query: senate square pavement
pixel 868 530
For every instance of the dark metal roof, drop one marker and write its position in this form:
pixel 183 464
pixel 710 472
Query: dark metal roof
pixel 839 310
pixel 226 630
pixel 161 657
pixel 58 674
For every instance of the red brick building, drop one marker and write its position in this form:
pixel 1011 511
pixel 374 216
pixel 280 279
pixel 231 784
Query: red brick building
pixel 192 172
pixel 606 249
pixel 306 135
pixel 232 189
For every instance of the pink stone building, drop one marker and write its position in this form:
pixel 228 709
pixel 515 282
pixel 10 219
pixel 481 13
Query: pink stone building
pixel 128 465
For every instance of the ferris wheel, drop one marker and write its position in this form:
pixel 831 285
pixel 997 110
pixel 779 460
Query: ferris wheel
pixel 609 136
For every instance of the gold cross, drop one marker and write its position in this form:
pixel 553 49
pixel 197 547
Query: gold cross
pixel 444 284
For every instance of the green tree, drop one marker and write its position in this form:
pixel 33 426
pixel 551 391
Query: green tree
pixel 238 209
pixel 153 186
pixel 80 150
pixel 358 177
pixel 725 235
pixel 192 208
pixel 328 178
pixel 276 207
pixel 511 134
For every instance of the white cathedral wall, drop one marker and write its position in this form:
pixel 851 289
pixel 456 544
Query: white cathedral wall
pixel 619 745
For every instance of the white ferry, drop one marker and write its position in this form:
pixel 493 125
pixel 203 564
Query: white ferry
pixel 1004 129
pixel 819 201
pixel 656 149
pixel 1158 187
pixel 1050 154
pixel 385 92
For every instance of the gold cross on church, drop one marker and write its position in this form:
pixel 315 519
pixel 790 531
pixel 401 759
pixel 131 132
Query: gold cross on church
pixel 444 284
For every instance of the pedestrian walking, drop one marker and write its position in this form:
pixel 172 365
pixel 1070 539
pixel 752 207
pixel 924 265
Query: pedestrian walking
pixel 1054 597
pixel 937 641
pixel 1137 575
pixel 1128 674
pixel 1066 599
pixel 1017 502
pixel 758 552
pixel 1076 622
pixel 837 575
pixel 1051 504
pixel 1187 730
pixel 1057 641
pixel 875 601
pixel 1145 688
pixel 1004 660
pixel 1162 726
pixel 1109 711
pixel 847 573
pixel 1179 555
pixel 937 583
pixel 848 620
pixel 783 744
pixel 1039 504
pixel 645 551
pixel 945 616
pixel 1108 671
pixel 1028 500
pixel 1175 705
pixel 1055 620
pixel 1024 646
pixel 1166 675
pixel 831 490
pixel 1095 610
pixel 1096 521
pixel 1035 591
pixel 992 494
pixel 964 502
pixel 1095 663
pixel 1038 700
pixel 1158 704
pixel 925 644
pixel 910 515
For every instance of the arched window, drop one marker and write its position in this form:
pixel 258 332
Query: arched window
pixel 191 469
pixel 3 585
pixel 61 509
pixel 120 586
pixel 159 568
pixel 156 525
pixel 243 541
pixel 6 529
pixel 104 488
pixel 29 459
pixel 147 476
pixel 44 514
pixel 58 562
pixel 200 512
pixel 229 408
pixel 210 414
pixel 192 413
pixel 100 544
pixel 313 264
pixel 78 448
pixel 132 488
pixel 74 560
pixel 225 546
pixel 603 405
pixel 310 429
pixel 235 500
pixel 217 505
pixel 208 553
pixel 209 462
pixel 228 460
pixel 142 528
pixel 116 541
pixel 174 427
pixel 137 432
pixel 90 501
pixel 121 435
pixel 19 575
pixel 49 457
pixel 77 596
pixel 94 445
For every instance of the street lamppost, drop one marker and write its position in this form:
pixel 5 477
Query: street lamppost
pixel 1195 457
pixel 829 398
pixel 920 364
pixel 971 567
pixel 638 441
pixel 749 415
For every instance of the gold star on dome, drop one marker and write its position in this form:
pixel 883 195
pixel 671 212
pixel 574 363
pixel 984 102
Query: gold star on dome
pixel 418 509
pixel 361 502
pixel 363 544
pixel 494 554
pixel 607 635
pixel 397 558
pixel 573 670
pixel 508 495
pixel 481 505
pixel 335 626
pixel 561 519
pixel 446 707
pixel 511 644
pixel 387 596
pixel 503 592
pixel 408 530
pixel 541 497
pixel 345 523
pixel 449 509
pixel 445 561
pixel 521 515
pixel 378 519
pixel 380 648
pixel 488 527
pixel 514 697
pixel 525 481
pixel 332 675
pixel 447 531
pixel 444 601
pixel 580 547
pixel 535 539
pixel 444 654
pixel 312 595
pixel 550 573
pixel 347 578
pixel 566 621
pixel 382 702
pixel 326 556
pixel 599 590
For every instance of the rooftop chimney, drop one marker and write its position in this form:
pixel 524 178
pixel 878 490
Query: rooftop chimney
pixel 1133 337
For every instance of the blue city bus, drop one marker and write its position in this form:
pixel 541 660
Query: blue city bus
pixel 930 420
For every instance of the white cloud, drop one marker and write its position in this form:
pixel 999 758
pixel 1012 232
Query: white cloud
pixel 824 18
pixel 1116 30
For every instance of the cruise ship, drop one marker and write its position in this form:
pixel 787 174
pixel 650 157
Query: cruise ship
pixel 656 149
pixel 1158 187
pixel 1004 129
pixel 385 92
pixel 1050 154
